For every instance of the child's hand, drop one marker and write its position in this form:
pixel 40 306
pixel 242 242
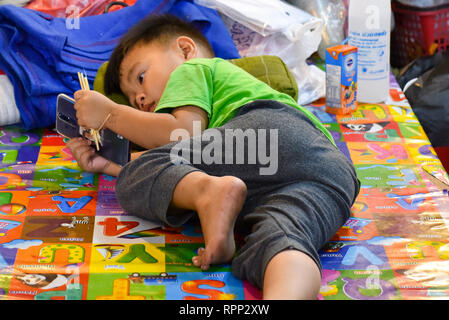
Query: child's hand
pixel 86 157
pixel 92 108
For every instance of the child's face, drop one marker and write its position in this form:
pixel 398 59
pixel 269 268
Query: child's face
pixel 145 70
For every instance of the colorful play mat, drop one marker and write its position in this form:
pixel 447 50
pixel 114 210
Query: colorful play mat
pixel 64 236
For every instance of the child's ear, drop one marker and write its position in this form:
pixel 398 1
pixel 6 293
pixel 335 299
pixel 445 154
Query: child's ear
pixel 187 47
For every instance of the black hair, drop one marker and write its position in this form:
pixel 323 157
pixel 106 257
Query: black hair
pixel 161 28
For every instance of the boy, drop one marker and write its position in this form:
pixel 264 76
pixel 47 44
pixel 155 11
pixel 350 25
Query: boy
pixel 179 90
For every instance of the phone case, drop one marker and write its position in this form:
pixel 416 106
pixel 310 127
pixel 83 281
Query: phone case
pixel 66 122
pixel 113 146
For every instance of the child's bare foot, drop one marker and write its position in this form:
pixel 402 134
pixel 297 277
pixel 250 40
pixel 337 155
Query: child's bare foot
pixel 218 209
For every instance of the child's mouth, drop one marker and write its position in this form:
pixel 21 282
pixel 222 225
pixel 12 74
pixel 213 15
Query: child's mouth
pixel 150 107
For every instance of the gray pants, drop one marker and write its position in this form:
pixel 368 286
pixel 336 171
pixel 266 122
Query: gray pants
pixel 300 206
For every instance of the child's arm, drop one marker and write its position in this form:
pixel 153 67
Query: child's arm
pixel 149 130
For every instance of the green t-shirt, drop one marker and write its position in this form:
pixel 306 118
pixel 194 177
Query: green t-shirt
pixel 221 88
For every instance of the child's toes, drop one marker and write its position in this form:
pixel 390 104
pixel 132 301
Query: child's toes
pixel 205 260
pixel 196 261
pixel 205 267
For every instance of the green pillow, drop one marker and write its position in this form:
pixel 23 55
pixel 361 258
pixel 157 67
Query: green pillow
pixel 119 98
pixel 269 69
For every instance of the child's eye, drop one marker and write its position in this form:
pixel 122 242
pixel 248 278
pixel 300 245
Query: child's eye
pixel 140 78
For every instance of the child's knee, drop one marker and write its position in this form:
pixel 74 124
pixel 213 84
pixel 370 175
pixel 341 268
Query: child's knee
pixel 126 191
pixel 121 189
pixel 291 274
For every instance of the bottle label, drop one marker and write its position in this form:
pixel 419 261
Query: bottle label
pixel 373 54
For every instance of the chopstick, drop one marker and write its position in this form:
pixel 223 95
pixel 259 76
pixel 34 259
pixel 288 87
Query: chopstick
pixel 84 83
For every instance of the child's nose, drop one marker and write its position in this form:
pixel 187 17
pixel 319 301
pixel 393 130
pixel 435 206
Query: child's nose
pixel 140 100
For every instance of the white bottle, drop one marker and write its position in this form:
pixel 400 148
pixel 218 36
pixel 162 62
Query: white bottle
pixel 369 24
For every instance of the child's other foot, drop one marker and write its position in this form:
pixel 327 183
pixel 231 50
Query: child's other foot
pixel 218 210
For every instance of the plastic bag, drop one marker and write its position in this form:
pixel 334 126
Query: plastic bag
pixel 429 97
pixel 273 27
pixel 9 113
pixel 410 73
pixel 333 13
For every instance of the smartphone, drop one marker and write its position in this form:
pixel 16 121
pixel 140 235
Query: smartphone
pixel 113 146
pixel 66 122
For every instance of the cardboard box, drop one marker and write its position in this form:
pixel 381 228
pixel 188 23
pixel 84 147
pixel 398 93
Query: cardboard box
pixel 341 79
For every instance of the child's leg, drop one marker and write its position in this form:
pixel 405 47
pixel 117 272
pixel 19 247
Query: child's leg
pixel 156 189
pixel 218 201
pixel 291 275
pixel 288 227
pixel 146 187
